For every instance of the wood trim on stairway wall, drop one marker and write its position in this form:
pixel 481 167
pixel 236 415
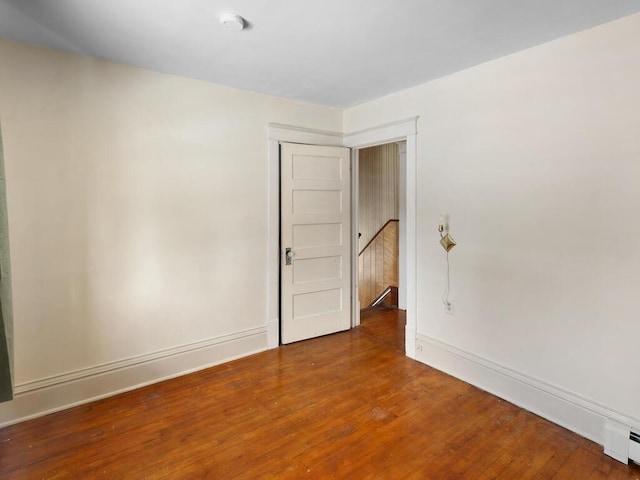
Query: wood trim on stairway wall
pixel 378 264
pixel 378 233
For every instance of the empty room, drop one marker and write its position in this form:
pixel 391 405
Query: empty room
pixel 346 239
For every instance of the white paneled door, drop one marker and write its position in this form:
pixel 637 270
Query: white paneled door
pixel 315 241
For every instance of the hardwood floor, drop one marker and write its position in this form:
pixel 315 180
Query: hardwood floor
pixel 345 406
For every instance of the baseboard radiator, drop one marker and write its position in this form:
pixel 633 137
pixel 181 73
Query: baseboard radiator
pixel 621 442
pixel 634 447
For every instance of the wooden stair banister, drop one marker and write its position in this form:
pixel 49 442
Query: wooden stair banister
pixel 377 233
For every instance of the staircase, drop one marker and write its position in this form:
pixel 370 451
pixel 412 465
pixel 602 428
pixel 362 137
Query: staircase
pixel 378 268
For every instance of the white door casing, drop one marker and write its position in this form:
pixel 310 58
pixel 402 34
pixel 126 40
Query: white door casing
pixel 402 130
pixel 315 241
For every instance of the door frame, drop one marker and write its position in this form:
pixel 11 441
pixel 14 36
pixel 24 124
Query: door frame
pixel 403 130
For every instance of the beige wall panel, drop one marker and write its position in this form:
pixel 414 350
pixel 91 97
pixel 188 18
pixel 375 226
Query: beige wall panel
pixel 137 207
pixel 535 158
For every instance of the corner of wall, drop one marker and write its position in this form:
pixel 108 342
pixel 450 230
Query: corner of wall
pixel 582 416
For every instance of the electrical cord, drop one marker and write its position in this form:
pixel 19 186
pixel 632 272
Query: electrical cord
pixel 445 295
pixel 447 246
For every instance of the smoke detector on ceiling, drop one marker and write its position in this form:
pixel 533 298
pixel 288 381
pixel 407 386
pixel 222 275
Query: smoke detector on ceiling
pixel 231 21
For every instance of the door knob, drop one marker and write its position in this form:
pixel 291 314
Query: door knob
pixel 288 256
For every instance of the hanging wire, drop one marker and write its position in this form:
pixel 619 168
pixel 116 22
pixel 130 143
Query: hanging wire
pixel 445 295
pixel 447 288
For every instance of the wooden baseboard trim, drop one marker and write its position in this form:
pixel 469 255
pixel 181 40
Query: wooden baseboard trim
pixel 41 397
pixel 567 409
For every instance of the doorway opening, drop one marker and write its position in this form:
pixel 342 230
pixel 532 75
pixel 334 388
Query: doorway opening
pixel 378 209
pixel 402 131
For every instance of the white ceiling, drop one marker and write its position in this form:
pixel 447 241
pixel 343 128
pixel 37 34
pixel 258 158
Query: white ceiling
pixel 331 52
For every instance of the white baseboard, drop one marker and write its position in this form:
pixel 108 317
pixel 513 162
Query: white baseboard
pixel 578 414
pixel 48 395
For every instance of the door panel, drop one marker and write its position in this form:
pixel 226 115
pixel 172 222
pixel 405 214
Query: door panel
pixel 315 225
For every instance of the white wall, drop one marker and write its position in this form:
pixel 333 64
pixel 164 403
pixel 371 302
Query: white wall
pixel 536 158
pixel 138 211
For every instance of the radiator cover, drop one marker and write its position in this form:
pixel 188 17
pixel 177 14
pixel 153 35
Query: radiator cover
pixel 634 447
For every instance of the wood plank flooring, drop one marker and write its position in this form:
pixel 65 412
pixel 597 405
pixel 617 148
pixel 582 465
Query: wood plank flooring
pixel 345 406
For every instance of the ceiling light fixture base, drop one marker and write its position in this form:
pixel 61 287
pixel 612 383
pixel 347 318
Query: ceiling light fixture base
pixel 231 21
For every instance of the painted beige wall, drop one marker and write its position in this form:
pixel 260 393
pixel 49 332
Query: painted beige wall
pixel 378 171
pixel 138 207
pixel 536 158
